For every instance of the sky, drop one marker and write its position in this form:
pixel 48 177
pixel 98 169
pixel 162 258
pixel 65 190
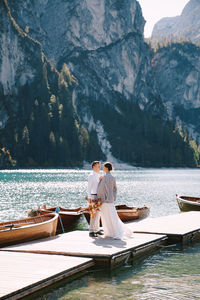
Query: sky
pixel 154 10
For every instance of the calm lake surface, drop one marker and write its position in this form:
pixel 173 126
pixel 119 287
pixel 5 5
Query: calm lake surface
pixel 171 273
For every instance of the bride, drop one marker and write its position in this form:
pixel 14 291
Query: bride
pixel 107 192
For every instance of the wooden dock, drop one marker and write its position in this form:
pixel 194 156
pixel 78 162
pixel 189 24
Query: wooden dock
pixel 107 252
pixel 179 228
pixel 24 273
pixel 28 267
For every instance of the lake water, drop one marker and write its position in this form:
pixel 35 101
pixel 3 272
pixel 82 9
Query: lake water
pixel 171 273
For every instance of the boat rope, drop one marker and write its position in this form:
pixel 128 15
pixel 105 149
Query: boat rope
pixel 57 211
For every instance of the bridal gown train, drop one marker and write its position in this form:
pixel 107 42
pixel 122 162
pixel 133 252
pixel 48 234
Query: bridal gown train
pixel 112 225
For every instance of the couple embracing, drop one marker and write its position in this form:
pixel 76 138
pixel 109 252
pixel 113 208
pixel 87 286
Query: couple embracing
pixel 102 192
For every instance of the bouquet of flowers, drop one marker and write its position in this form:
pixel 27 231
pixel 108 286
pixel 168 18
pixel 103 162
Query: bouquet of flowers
pixel 94 206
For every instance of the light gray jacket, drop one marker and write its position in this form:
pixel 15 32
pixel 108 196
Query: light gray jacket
pixel 107 189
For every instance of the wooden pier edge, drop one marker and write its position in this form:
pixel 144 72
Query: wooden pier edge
pixel 107 260
pixel 28 290
pixel 130 255
pixel 191 236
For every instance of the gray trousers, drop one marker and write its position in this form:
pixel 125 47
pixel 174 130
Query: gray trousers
pixel 94 222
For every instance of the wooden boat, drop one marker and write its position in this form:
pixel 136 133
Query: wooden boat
pixel 127 213
pixel 186 203
pixel 69 217
pixel 19 231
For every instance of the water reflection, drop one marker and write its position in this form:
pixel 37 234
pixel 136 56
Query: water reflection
pixel 168 274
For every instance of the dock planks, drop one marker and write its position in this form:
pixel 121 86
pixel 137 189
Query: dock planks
pixel 178 228
pixel 78 243
pixel 25 273
pixel 28 267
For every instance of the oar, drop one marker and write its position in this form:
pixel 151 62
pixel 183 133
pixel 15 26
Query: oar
pixel 16 225
pixel 7 226
pixel 57 211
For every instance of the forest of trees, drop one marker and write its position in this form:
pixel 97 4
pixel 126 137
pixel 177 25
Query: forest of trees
pixel 45 131
pixel 142 139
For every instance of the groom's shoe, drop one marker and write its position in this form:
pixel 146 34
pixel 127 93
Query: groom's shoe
pixel 100 232
pixel 92 234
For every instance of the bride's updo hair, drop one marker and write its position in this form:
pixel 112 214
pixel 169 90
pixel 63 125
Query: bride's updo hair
pixel 108 165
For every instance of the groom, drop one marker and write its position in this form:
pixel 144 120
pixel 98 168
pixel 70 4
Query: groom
pixel 93 181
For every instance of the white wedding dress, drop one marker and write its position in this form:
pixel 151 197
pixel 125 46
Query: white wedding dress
pixel 112 225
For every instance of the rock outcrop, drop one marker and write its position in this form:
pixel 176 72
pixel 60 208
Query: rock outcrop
pixel 99 40
pixel 185 27
pixel 36 110
pixel 177 75
pixel 177 67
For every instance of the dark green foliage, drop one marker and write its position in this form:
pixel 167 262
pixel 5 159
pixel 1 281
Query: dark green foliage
pixel 180 47
pixel 93 150
pixel 42 129
pixel 142 139
pixel 191 116
pixel 43 132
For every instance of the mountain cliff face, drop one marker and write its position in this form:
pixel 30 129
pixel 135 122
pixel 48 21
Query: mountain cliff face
pixel 185 26
pixel 37 114
pixel 177 67
pixel 110 106
pixel 177 74
pixel 95 40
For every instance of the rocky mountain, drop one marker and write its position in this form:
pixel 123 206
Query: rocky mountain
pixel 37 117
pixel 176 65
pixel 185 27
pixel 177 75
pixel 92 35
pixel 77 83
